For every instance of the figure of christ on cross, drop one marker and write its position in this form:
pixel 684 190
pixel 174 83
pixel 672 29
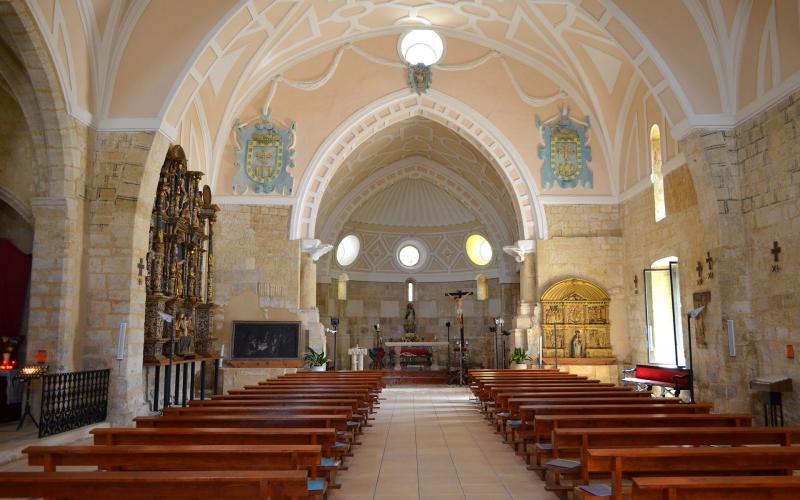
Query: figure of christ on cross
pixel 458 297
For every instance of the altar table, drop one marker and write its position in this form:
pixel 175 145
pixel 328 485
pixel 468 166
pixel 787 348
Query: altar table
pixel 398 347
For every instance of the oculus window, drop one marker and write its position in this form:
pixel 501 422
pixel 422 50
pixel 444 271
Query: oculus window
pixel 479 250
pixel 411 254
pixel 663 310
pixel 347 251
pixel 408 256
pixel 421 47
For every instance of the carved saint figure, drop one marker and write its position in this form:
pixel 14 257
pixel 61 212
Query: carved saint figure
pixel 410 322
pixel 576 349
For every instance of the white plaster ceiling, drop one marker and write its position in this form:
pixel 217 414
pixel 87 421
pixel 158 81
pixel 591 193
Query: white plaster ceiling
pixel 413 203
pixel 421 138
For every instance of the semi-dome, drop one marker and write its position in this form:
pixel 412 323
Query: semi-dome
pixel 413 203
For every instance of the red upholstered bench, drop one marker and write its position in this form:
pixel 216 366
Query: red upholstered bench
pixel 673 379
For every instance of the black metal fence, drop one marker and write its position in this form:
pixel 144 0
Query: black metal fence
pixel 74 399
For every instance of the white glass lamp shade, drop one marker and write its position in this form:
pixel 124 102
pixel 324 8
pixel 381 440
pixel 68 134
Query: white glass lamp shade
pixel 421 46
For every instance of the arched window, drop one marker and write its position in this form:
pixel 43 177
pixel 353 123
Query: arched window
pixel 411 290
pixel 656 177
pixel 481 287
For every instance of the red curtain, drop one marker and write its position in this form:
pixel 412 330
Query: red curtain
pixel 15 270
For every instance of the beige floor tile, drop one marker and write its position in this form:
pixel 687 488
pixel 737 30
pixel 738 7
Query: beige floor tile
pixel 429 442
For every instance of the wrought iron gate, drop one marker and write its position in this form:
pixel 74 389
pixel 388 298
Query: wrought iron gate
pixel 74 399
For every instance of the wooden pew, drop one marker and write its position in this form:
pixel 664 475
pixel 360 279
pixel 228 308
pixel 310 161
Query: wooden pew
pixel 577 442
pixel 716 487
pixel 338 422
pixel 234 485
pixel 522 435
pixel 545 424
pixel 113 436
pixel 260 410
pixel 620 462
pixel 352 403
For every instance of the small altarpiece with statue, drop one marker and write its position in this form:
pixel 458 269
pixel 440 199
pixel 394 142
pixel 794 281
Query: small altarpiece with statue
pixel 179 307
pixel 576 321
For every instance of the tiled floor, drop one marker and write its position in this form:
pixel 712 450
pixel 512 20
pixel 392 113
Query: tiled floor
pixel 430 442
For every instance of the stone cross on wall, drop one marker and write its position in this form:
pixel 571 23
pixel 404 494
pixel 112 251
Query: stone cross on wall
pixel 699 270
pixel 710 262
pixel 776 252
pixel 141 267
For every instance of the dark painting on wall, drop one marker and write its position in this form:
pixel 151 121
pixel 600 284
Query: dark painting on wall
pixel 266 340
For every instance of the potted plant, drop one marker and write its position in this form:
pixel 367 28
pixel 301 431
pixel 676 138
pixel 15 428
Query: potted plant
pixel 520 359
pixel 317 361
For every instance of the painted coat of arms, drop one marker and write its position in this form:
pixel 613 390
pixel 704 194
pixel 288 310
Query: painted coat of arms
pixel 565 153
pixel 419 77
pixel 264 152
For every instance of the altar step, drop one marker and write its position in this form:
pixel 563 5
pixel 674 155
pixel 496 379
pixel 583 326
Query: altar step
pixel 415 377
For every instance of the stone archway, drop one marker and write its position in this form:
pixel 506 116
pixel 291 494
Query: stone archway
pixel 435 106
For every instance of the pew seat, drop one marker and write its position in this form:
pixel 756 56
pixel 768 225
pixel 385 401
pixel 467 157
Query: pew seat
pixel 146 485
pixel 716 488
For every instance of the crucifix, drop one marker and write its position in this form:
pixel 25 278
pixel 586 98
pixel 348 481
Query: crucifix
pixel 710 262
pixel 635 284
pixel 776 252
pixel 458 297
pixel 699 270
pixel 141 267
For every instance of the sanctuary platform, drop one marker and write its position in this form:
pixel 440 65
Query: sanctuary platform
pixel 415 377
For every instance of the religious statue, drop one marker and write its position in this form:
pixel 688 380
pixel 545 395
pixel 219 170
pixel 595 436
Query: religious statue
pixel 178 277
pixel 184 329
pixel 410 322
pixel 534 333
pixel 576 349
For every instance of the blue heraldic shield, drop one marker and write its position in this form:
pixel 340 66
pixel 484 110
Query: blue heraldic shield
pixel 565 153
pixel 264 152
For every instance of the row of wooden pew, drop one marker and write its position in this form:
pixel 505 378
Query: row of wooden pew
pixel 586 438
pixel 282 438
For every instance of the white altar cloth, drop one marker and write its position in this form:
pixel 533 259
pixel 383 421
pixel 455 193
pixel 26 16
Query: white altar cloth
pixel 398 346
pixel 357 357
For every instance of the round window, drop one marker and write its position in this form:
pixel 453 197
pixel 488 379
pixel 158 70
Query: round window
pixel 479 250
pixel 347 251
pixel 408 255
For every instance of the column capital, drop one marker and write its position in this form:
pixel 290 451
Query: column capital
pixel 315 248
pixel 520 249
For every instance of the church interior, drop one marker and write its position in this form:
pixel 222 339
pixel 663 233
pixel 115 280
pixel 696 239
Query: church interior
pixel 399 249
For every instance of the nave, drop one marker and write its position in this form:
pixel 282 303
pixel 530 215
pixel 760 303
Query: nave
pixel 430 442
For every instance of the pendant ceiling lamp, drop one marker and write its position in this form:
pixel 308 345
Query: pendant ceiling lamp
pixel 421 47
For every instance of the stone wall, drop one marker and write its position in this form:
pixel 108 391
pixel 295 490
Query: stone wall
pixel 15 229
pixel 582 220
pixel 252 247
pixel 594 258
pixel 769 158
pixel 369 303
pixel 16 151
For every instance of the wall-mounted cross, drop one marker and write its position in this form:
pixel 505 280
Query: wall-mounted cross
pixel 141 267
pixel 710 262
pixel 635 284
pixel 776 252
pixel 699 270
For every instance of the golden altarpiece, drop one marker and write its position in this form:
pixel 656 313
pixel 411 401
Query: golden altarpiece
pixel 179 309
pixel 576 315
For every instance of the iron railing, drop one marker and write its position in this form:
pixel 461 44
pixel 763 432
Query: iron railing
pixel 73 399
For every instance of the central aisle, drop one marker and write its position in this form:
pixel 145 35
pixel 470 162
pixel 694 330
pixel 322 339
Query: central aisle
pixel 430 442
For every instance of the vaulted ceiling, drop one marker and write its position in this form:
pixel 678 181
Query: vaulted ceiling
pixel 192 68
